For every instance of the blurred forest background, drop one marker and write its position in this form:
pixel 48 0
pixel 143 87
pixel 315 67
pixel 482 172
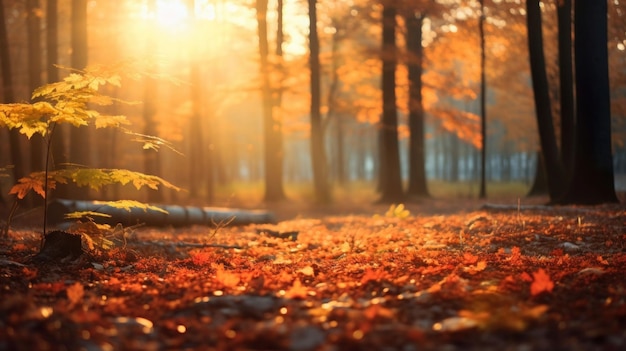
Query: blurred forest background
pixel 246 107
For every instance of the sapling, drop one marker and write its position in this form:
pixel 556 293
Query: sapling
pixel 70 102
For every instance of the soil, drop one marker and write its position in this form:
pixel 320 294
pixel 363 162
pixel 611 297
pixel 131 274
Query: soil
pixel 447 275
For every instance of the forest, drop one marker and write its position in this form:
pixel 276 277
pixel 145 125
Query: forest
pixel 215 70
pixel 312 175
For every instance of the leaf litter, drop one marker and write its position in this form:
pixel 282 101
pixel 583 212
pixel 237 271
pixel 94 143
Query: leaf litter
pixel 542 278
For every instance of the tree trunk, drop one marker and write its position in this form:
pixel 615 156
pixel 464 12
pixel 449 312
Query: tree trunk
pixel 272 131
pixel 9 97
pixel 80 148
pixel 33 24
pixel 333 91
pixel 391 181
pixel 151 164
pixel 482 193
pixel 540 182
pixel 592 179
pixel 564 13
pixel 58 149
pixel 318 156
pixel 554 168
pixel 417 163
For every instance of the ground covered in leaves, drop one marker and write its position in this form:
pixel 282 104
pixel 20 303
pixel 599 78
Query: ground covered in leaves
pixel 497 277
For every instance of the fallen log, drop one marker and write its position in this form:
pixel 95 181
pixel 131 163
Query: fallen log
pixel 176 216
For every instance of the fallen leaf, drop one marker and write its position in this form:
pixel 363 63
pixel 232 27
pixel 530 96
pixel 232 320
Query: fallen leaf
pixel 541 282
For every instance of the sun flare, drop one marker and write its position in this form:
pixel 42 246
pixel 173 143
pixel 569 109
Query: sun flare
pixel 171 13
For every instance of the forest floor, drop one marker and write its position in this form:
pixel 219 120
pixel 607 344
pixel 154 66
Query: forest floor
pixel 449 275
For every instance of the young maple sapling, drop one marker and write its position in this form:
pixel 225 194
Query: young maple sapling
pixel 69 102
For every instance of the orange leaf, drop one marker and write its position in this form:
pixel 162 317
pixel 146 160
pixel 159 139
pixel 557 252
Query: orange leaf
pixel 297 291
pixel 75 293
pixel 226 278
pixel 541 282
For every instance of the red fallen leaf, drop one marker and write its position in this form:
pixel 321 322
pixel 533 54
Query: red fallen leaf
pixel 468 258
pixel 526 277
pixel 541 282
pixel 373 275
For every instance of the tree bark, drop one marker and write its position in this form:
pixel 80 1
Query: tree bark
pixel 417 163
pixel 554 167
pixel 482 192
pixel 318 155
pixel 272 130
pixel 151 164
pixel 80 147
pixel 391 180
pixel 592 179
pixel 33 24
pixel 564 14
pixel 9 97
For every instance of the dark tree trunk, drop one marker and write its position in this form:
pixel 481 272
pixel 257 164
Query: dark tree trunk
pixel 554 168
pixel 592 179
pixel 391 181
pixel 80 148
pixel 417 163
pixel 272 130
pixel 58 149
pixel 33 24
pixel 540 182
pixel 482 193
pixel 9 97
pixel 318 156
pixel 568 119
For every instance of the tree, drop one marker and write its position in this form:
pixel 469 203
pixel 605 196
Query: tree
pixel 272 130
pixel 592 179
pixel 59 150
pixel 151 164
pixel 391 181
pixel 554 167
pixel 318 155
pixel 8 97
pixel 417 164
pixel 566 82
pixel 33 24
pixel 483 104
pixel 79 137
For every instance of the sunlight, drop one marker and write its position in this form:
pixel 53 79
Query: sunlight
pixel 175 14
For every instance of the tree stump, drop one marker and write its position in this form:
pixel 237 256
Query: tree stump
pixel 60 246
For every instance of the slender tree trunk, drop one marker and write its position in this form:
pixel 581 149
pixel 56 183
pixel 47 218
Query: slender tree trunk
pixel 333 91
pixel 482 193
pixel 272 130
pixel 391 180
pixel 564 13
pixel 417 163
pixel 151 164
pixel 554 167
pixel 80 147
pixel 318 156
pixel 33 24
pixel 592 179
pixel 59 149
pixel 8 96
